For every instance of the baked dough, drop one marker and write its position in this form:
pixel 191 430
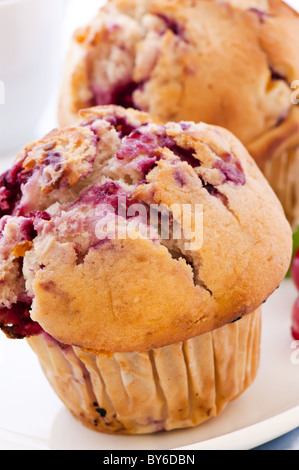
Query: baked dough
pixel 143 290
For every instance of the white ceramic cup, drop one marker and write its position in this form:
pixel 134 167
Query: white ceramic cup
pixel 30 60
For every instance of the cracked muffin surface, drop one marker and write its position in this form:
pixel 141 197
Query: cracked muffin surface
pixel 63 273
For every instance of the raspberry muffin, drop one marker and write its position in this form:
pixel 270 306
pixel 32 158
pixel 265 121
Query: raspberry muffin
pixel 140 325
pixel 228 63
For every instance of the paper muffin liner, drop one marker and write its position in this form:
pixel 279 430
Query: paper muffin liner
pixel 282 172
pixel 177 386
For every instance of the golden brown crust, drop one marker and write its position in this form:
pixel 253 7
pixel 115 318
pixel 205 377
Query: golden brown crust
pixel 136 294
pixel 143 290
pixel 75 148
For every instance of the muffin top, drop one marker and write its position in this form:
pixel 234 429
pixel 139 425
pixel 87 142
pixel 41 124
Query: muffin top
pixel 123 234
pixel 228 63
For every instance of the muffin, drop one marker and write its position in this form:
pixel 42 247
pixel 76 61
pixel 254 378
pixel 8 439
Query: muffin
pixel 226 63
pixel 135 258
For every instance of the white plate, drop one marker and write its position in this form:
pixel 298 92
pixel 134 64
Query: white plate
pixel 32 417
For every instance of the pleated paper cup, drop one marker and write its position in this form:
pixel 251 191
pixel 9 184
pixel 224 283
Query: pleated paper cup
pixel 282 172
pixel 177 386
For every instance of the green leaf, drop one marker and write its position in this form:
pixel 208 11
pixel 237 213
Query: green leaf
pixel 295 241
pixel 295 245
